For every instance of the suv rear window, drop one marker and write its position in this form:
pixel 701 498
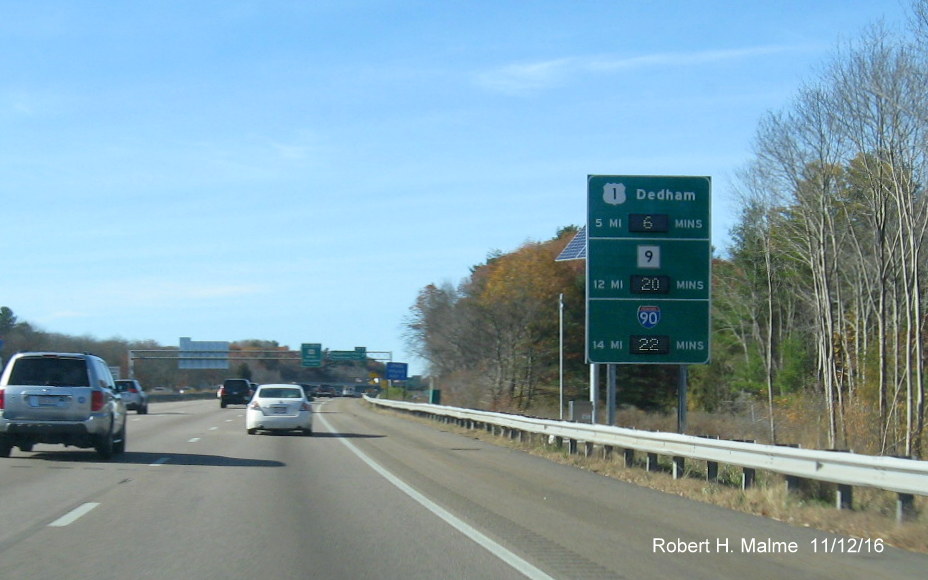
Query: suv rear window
pixel 237 385
pixel 50 371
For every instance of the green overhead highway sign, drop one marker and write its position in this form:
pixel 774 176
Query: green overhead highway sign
pixel 358 354
pixel 311 354
pixel 648 269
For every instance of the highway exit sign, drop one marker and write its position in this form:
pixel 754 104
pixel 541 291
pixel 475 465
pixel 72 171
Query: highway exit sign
pixel 648 269
pixel 311 354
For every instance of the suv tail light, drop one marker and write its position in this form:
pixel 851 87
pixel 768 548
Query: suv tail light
pixel 96 400
pixel 133 390
pixel 1 399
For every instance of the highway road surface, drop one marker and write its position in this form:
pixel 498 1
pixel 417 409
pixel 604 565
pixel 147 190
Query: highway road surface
pixel 374 495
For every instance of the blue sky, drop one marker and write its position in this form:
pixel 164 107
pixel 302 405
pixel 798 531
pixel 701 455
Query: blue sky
pixel 298 170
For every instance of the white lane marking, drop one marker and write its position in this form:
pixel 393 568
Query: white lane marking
pixel 460 525
pixel 73 515
pixel 160 461
pixel 194 440
pixel 213 428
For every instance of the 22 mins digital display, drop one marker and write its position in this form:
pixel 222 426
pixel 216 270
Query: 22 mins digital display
pixel 650 344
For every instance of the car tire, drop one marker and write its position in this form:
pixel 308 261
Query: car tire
pixel 307 432
pixel 5 449
pixel 222 404
pixel 105 445
pixel 143 410
pixel 252 431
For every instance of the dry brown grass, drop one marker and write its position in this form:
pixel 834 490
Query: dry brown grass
pixel 873 515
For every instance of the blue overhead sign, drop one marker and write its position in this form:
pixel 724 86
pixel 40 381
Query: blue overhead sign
pixel 203 354
pixel 397 371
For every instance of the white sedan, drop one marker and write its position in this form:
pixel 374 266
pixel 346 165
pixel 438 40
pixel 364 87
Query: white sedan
pixel 279 408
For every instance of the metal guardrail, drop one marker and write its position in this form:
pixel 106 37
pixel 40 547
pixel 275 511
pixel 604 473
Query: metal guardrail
pixel 906 477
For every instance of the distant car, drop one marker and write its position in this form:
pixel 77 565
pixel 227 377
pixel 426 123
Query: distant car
pixel 309 391
pixel 326 391
pixel 279 408
pixel 63 398
pixel 133 395
pixel 235 392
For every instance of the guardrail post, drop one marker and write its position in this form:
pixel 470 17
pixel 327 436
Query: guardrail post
pixel 629 457
pixel 712 471
pixel 794 484
pixel 905 508
pixel 747 477
pixel 651 463
pixel 678 466
pixel 571 446
pixel 844 497
pixel 607 452
pixel 587 449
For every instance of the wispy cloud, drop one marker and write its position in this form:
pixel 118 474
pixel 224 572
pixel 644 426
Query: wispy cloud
pixel 530 77
pixel 19 103
pixel 672 59
pixel 527 77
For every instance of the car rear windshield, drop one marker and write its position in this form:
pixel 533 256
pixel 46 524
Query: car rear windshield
pixel 51 371
pixel 280 393
pixel 236 386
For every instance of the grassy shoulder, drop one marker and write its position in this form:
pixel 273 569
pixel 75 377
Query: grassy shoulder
pixel 873 515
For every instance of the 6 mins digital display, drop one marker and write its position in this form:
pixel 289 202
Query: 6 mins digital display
pixel 650 344
pixel 650 284
pixel 648 223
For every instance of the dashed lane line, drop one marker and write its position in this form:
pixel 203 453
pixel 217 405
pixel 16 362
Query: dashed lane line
pixel 73 515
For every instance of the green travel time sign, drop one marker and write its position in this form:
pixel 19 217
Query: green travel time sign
pixel 648 269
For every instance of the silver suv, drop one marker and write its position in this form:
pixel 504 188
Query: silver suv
pixel 67 398
pixel 133 395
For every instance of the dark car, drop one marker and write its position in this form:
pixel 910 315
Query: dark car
pixel 235 392
pixel 326 391
pixel 309 391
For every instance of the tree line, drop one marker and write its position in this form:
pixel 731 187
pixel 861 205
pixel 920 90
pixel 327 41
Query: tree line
pixel 819 306
pixel 253 359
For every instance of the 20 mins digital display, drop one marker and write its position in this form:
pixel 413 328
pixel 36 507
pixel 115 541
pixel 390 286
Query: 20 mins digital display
pixel 649 344
pixel 650 284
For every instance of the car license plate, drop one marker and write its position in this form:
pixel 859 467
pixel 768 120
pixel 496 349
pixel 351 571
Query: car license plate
pixel 46 400
pixel 279 410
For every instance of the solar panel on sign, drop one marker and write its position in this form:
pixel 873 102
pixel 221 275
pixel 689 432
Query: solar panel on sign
pixel 576 249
